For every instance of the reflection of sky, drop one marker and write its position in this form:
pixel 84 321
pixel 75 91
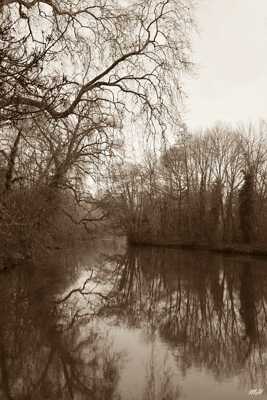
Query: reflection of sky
pixel 230 51
pixel 144 357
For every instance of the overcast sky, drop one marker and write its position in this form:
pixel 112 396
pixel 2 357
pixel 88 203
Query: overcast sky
pixel 231 55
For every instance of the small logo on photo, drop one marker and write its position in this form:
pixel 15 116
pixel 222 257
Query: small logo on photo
pixel 255 392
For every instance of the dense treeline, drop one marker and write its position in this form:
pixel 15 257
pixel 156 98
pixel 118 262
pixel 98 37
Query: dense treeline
pixel 207 188
pixel 44 201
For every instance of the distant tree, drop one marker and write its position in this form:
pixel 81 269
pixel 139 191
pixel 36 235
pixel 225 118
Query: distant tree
pixel 215 213
pixel 247 207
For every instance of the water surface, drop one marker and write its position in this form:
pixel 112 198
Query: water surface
pixel 107 322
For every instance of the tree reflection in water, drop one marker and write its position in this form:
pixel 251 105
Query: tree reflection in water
pixel 159 384
pixel 210 311
pixel 45 353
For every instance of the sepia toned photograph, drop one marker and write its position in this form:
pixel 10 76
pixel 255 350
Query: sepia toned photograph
pixel 133 199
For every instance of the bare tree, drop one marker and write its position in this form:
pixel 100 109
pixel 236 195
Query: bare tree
pixel 92 59
pixel 73 75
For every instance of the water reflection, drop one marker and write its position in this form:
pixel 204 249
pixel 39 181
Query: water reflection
pixel 46 353
pixel 144 324
pixel 210 310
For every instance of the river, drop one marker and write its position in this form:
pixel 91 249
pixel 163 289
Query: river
pixel 111 322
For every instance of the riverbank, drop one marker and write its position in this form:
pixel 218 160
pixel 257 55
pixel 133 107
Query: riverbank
pixel 238 249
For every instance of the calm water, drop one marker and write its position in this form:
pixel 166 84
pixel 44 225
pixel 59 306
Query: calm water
pixel 136 324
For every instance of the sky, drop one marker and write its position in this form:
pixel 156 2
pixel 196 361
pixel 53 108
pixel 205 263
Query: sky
pixel 230 52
